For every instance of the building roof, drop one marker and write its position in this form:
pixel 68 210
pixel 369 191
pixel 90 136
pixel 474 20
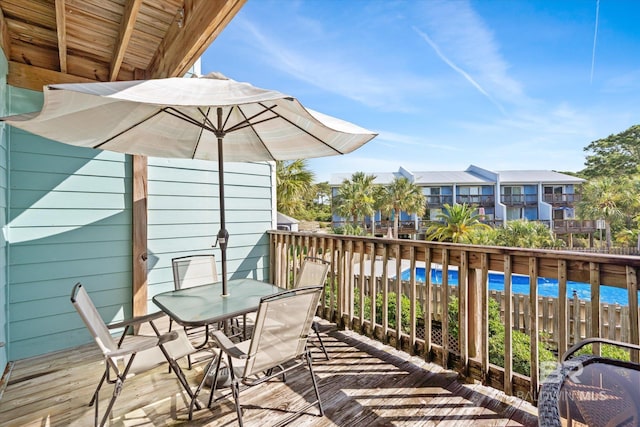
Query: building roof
pixel 473 175
pixel 535 176
pixel 450 177
pixel 284 219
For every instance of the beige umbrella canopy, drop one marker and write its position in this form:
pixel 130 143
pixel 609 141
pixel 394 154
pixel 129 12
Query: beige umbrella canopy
pixel 209 118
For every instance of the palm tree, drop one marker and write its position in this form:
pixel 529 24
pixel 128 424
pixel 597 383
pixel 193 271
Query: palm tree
pixel 380 204
pixel 355 198
pixel 458 223
pixel 403 195
pixel 602 198
pixel 293 181
pixel 522 233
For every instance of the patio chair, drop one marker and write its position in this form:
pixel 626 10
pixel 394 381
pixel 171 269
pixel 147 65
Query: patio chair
pixel 190 271
pixel 591 389
pixel 131 354
pixel 313 272
pixel 278 344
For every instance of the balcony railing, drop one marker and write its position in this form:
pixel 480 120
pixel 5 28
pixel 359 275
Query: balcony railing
pixel 562 199
pixel 351 277
pixel 439 200
pixel 478 200
pixel 519 199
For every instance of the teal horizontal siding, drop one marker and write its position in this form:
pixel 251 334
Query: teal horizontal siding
pixel 184 215
pixel 69 221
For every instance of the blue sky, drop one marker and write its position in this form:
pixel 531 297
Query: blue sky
pixel 502 84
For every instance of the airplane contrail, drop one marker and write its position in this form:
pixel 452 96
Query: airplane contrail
pixel 459 70
pixel 595 37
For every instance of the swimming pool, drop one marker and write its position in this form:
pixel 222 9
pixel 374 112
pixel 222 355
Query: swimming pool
pixel 520 285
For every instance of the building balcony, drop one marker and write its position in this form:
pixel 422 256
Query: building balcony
pixel 483 200
pixel 519 199
pixel 565 199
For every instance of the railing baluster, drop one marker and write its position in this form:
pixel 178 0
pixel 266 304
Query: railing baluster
pixel 533 326
pixel 385 295
pixel 398 288
pixel 412 300
pixel 361 286
pixel 445 307
pixel 563 324
pixel 508 326
pixel 632 292
pixel 484 348
pixel 594 279
pixel 426 309
pixel 463 306
pixel 374 288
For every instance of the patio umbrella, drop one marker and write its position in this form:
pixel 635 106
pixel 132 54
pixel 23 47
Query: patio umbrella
pixel 210 118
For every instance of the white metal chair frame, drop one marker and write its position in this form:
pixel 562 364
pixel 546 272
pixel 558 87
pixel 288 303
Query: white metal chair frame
pixel 120 356
pixel 313 272
pixel 283 321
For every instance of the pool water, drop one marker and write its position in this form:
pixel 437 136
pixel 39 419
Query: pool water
pixel 520 285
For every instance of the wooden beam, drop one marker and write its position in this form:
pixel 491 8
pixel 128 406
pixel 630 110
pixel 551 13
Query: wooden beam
pixel 61 25
pixel 5 39
pixel 34 78
pixel 131 9
pixel 203 21
pixel 139 238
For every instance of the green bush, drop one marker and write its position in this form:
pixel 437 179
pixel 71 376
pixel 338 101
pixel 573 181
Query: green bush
pixel 521 342
pixel 391 309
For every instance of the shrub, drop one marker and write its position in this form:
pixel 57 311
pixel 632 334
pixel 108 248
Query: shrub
pixel 391 309
pixel 521 342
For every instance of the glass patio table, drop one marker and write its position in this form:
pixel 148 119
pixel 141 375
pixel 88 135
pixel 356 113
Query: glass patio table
pixel 593 390
pixel 205 305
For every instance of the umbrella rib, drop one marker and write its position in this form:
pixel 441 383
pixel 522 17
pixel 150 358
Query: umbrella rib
pixel 181 115
pixel 292 124
pixel 127 129
pixel 257 134
pixel 247 120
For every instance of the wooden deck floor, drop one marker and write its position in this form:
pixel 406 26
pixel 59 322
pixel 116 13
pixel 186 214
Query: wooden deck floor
pixel 364 384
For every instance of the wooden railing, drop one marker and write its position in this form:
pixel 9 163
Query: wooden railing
pixel 352 270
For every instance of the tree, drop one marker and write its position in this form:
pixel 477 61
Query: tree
pixel 293 181
pixel 355 198
pixel 459 222
pixel 403 195
pixel 522 233
pixel 602 198
pixel 615 155
pixel 380 204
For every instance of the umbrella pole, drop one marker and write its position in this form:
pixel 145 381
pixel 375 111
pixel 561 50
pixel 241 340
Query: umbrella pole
pixel 223 234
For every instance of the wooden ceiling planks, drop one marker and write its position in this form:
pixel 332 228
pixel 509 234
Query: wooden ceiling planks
pixel 54 41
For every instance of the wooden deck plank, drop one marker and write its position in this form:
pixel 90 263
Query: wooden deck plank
pixel 365 383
